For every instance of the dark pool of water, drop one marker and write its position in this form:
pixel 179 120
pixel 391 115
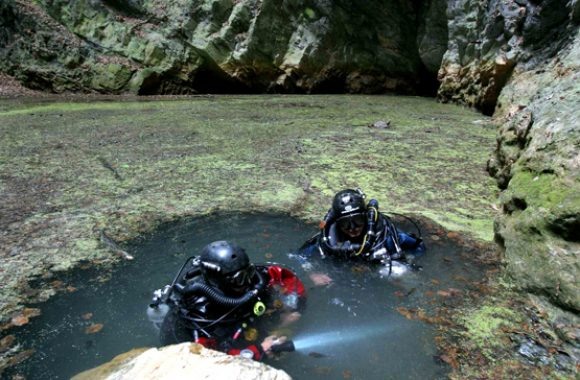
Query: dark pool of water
pixel 352 329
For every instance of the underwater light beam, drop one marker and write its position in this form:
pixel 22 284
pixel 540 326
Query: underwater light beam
pixel 338 337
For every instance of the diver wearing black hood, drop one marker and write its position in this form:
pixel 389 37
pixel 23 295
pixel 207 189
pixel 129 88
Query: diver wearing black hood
pixel 353 229
pixel 224 302
pixel 357 231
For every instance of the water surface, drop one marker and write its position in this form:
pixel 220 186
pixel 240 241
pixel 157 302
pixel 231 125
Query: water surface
pixel 354 328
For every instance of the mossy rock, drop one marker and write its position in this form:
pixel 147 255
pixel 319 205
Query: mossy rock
pixel 112 77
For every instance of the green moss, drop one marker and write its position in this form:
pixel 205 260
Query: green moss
pixel 33 107
pixel 482 228
pixel 540 190
pixel 86 244
pixel 484 326
pixel 310 13
pixel 111 77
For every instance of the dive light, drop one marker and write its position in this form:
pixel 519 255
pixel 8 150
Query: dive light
pixel 287 346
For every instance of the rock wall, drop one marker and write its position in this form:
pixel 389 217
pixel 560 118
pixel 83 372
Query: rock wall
pixel 537 163
pixel 488 39
pixel 192 46
pixel 519 60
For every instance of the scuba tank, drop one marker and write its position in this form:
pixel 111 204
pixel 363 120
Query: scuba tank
pixel 157 314
pixel 159 306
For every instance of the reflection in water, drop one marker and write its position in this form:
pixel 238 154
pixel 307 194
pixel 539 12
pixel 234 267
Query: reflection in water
pixel 352 328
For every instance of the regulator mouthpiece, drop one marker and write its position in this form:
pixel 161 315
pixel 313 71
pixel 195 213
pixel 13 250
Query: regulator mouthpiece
pixel 287 346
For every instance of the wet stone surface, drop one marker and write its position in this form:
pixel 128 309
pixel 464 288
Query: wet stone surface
pixel 365 324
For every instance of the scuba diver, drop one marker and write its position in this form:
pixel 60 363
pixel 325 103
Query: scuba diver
pixel 355 230
pixel 222 301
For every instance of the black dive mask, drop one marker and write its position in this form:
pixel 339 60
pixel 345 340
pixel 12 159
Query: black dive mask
pixel 351 222
pixel 242 277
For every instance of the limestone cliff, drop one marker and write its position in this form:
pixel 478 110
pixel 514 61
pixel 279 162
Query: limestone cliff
pixel 520 60
pixel 489 39
pixel 219 46
pixel 537 163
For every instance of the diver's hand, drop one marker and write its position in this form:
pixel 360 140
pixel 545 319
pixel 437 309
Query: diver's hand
pixel 320 279
pixel 270 341
pixel 288 318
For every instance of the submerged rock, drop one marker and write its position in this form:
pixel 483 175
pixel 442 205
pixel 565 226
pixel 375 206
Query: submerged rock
pixel 181 361
pixel 381 124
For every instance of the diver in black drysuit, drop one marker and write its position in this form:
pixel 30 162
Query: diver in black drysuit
pixel 355 230
pixel 224 302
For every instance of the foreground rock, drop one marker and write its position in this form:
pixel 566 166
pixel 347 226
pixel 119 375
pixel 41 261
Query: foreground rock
pixel 181 361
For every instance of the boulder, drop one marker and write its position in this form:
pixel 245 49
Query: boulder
pixel 181 361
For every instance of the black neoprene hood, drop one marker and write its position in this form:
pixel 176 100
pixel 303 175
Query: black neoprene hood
pixel 348 202
pixel 223 257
